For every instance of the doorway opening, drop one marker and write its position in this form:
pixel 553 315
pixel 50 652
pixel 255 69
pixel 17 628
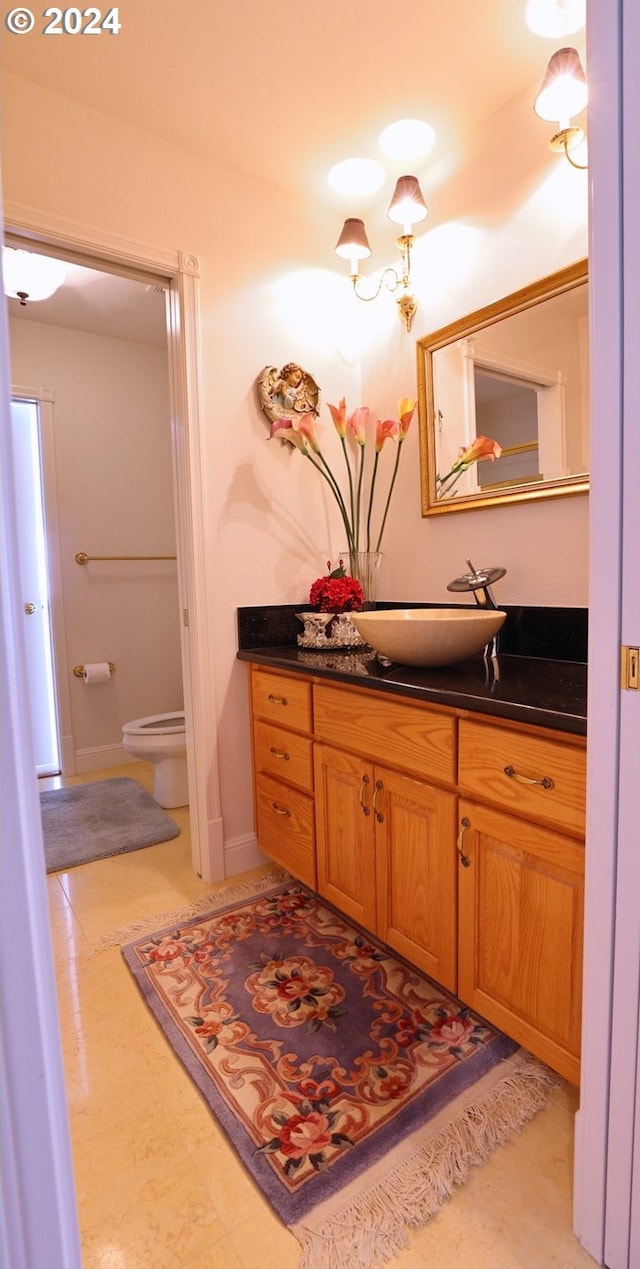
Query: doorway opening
pixel 102 480
pixel 178 274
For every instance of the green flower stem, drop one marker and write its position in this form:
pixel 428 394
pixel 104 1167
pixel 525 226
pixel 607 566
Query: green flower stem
pixel 350 478
pixel 456 473
pixel 356 526
pixel 331 481
pixel 371 492
pixel 336 491
pixel 393 481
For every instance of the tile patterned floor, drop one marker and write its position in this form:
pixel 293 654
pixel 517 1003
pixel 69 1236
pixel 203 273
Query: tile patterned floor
pixel 157 1185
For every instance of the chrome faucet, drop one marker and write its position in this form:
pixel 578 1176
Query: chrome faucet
pixel 479 580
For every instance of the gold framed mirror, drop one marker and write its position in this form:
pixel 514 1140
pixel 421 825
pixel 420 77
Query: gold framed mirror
pixel 503 399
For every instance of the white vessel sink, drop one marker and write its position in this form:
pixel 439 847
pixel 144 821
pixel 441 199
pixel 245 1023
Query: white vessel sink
pixel 428 636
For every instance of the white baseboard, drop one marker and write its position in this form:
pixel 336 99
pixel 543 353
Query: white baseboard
pixel 100 758
pixel 67 755
pixel 241 854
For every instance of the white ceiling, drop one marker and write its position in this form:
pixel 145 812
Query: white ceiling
pixel 102 304
pixel 283 89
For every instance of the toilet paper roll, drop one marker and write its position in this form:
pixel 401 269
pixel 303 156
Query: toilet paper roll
pixel 97 672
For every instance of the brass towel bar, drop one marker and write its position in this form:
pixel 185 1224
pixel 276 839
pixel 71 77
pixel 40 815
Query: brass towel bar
pixel 83 558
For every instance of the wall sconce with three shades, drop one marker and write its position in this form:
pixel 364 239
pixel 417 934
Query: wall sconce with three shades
pixel 407 208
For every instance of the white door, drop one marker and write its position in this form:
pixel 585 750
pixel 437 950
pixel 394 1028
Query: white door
pixel 35 591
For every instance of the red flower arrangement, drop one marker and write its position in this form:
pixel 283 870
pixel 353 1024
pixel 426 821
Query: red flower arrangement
pixel 337 592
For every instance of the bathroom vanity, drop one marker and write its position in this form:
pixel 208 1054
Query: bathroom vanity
pixel 442 810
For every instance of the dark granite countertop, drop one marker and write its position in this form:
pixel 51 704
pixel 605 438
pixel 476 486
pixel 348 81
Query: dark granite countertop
pixel 536 688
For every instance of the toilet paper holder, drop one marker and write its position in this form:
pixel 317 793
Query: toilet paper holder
pixel 78 670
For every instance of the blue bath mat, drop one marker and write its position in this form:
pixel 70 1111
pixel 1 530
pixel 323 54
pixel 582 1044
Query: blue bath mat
pixel 93 821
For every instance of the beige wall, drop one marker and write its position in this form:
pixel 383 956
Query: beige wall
pixel 112 453
pixel 504 212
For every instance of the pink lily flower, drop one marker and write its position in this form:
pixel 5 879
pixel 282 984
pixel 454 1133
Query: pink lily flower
pixel 357 504
pixel 339 416
pixel 482 447
pixel 358 423
pixel 386 431
pixel 285 431
pixel 307 426
pixel 406 411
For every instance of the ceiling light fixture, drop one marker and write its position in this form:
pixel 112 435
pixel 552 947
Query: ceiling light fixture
pixel 554 19
pixel 28 276
pixel 407 208
pixel 407 139
pixel 563 94
pixel 354 177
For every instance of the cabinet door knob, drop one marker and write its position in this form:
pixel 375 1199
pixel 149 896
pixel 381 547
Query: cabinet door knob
pixel 545 782
pixel 465 823
pixel 363 788
pixel 379 786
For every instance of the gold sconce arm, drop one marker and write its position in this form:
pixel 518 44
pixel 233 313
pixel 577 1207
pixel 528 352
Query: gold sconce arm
pixel 407 208
pixel 392 279
pixel 566 140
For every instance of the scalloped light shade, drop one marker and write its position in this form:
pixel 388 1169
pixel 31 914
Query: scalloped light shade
pixel 29 275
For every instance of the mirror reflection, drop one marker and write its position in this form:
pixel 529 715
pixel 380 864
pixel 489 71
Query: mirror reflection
pixel 503 397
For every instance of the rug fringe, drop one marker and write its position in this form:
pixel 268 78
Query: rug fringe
pixel 372 1228
pixel 226 893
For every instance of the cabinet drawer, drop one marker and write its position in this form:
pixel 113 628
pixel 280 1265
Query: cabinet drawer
pixel 281 699
pixel 284 820
pixel 495 765
pixel 283 754
pixel 410 737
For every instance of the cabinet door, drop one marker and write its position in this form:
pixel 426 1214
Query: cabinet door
pixel 520 932
pixel 344 833
pixel 415 827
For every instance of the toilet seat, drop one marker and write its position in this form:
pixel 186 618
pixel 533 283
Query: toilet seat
pixel 162 740
pixel 156 725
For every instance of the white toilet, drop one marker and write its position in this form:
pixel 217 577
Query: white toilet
pixel 161 739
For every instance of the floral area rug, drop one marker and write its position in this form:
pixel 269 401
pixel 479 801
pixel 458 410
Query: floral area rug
pixel 356 1091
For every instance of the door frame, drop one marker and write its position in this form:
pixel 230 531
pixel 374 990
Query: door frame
pixel 44 399
pixel 95 248
pixel 607 1157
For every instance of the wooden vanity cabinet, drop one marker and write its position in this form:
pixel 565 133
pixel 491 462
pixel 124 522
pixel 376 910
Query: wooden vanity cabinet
pixel 386 839
pixel 283 771
pixel 521 886
pixel 457 839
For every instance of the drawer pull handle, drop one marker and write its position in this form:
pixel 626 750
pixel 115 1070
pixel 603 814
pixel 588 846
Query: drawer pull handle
pixel 277 700
pixel 379 786
pixel 464 825
pixel 281 810
pixel 545 783
pixel 363 788
pixel 280 753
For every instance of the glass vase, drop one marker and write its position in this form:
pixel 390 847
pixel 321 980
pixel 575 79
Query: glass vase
pixel 364 566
